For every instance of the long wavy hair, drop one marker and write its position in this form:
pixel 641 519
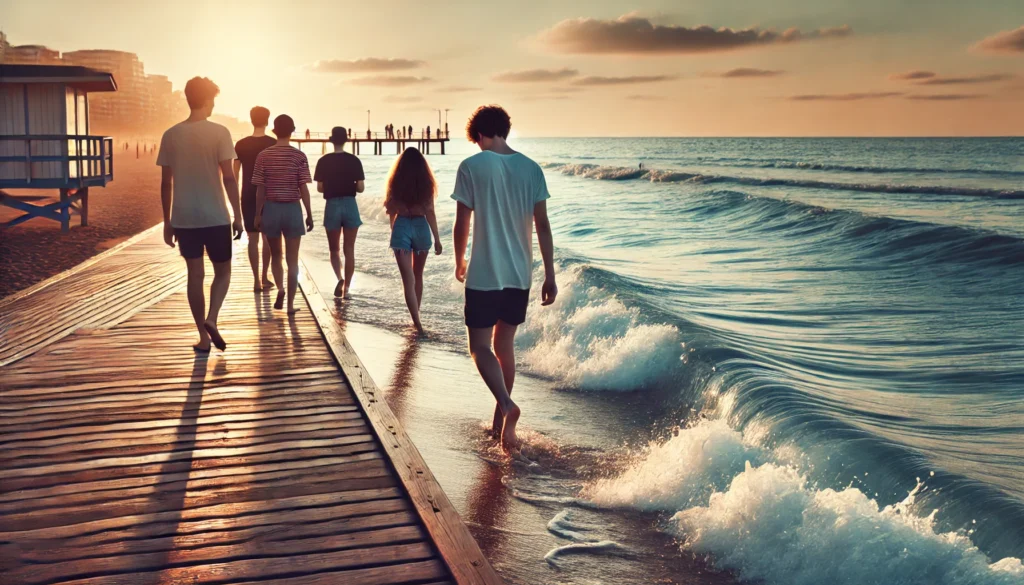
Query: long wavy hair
pixel 411 182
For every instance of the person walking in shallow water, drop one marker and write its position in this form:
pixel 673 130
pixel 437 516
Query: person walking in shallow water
pixel 196 158
pixel 504 194
pixel 339 176
pixel 281 175
pixel 409 203
pixel 247 150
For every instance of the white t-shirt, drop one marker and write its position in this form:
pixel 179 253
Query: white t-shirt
pixel 194 151
pixel 502 190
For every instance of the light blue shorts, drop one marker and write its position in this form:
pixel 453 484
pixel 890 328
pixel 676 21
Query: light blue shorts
pixel 341 212
pixel 283 219
pixel 411 234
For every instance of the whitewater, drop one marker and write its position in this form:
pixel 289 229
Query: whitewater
pixel 793 360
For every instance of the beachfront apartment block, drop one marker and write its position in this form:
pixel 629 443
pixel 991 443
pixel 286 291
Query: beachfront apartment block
pixel 143 104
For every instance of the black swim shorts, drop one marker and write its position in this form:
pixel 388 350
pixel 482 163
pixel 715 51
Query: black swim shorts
pixel 216 239
pixel 484 308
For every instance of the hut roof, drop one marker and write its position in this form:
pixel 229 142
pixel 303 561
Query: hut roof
pixel 80 77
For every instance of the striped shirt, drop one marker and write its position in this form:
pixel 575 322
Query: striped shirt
pixel 281 170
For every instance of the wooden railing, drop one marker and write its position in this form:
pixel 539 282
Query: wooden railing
pixel 64 160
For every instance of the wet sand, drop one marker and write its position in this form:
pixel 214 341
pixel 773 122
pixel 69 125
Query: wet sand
pixel 36 250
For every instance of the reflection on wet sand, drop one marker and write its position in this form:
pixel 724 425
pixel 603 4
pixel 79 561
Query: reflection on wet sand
pixel 401 380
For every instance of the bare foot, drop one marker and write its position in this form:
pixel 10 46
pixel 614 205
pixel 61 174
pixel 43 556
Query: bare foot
pixel 203 346
pixel 339 289
pixel 279 303
pixel 496 423
pixel 292 310
pixel 267 284
pixel 257 288
pixel 214 334
pixel 509 440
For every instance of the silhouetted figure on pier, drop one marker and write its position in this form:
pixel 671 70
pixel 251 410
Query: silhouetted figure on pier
pixel 196 158
pixel 410 130
pixel 307 133
pixel 428 132
pixel 504 194
pixel 247 150
pixel 368 134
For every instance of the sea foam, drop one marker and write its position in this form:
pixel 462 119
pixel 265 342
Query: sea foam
pixel 766 522
pixel 590 340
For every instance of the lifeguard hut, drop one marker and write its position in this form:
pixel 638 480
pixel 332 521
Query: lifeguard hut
pixel 45 141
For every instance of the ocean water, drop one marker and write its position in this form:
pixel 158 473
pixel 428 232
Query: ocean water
pixel 794 360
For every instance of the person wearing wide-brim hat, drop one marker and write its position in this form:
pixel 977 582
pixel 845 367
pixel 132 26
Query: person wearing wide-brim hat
pixel 339 176
pixel 281 175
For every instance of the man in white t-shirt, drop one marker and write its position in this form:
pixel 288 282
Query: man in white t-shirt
pixel 504 194
pixel 196 156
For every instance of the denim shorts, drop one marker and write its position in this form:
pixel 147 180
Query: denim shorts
pixel 282 219
pixel 411 234
pixel 341 212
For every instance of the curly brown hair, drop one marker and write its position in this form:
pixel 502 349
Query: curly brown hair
pixel 489 121
pixel 411 182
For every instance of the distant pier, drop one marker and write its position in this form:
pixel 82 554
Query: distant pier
pixel 378 140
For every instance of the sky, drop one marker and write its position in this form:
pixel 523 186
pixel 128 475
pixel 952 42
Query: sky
pixel 579 68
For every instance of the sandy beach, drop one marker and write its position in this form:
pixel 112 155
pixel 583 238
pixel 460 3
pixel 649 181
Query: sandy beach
pixel 36 250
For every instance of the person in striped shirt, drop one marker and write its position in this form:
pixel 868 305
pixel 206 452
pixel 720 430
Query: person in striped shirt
pixel 281 175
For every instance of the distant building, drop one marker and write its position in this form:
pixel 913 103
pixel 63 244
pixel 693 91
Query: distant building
pixel 30 55
pixel 3 45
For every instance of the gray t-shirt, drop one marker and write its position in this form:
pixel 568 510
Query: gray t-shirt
pixel 194 151
pixel 502 190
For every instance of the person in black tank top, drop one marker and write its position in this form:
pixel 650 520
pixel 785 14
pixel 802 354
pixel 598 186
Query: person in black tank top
pixel 247 150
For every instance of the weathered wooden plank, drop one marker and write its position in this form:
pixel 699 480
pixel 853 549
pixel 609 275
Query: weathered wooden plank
pixel 139 562
pixel 324 524
pixel 266 568
pixel 199 513
pixel 182 500
pixel 421 573
pixel 123 490
pixel 254 416
pixel 460 552
pixel 365 450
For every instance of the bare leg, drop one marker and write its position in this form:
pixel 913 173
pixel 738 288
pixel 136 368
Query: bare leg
pixel 277 269
pixel 254 260
pixel 350 256
pixel 197 299
pixel 419 262
pixel 505 351
pixel 334 244
pixel 291 246
pixel 404 260
pixel 266 262
pixel 490 370
pixel 218 290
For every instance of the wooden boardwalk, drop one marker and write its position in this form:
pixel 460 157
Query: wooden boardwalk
pixel 125 458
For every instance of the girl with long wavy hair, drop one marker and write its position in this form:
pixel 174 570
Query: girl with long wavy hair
pixel 410 205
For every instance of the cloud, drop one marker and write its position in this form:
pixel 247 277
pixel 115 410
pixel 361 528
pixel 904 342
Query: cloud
pixel 1007 41
pixel 744 72
pixel 645 98
pixel 631 34
pixel 912 75
pixel 368 65
pixel 948 97
pixel 390 80
pixel 402 99
pixel 593 80
pixel 970 79
pixel 535 75
pixel 845 97
pixel 458 89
